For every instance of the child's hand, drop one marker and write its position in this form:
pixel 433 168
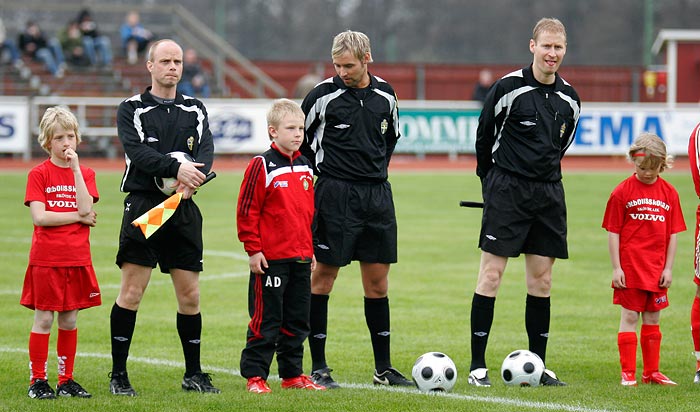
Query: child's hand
pixel 313 262
pixel 257 262
pixel 618 279
pixel 90 219
pixel 72 159
pixel 666 279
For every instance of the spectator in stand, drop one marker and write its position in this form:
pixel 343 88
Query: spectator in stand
pixel 98 47
pixel 71 39
pixel 135 37
pixel 194 80
pixel 483 86
pixel 34 44
pixel 8 45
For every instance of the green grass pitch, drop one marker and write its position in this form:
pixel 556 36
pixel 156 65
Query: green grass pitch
pixel 430 295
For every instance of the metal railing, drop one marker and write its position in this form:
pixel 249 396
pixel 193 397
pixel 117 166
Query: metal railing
pixel 100 132
pixel 216 49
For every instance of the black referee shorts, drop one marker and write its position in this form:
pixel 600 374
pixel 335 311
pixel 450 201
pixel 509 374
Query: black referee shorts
pixel 176 245
pixel 354 221
pixel 523 216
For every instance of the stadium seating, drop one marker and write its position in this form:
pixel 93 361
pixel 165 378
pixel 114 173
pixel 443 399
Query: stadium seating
pixel 15 82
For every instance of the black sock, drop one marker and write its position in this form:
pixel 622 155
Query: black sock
pixel 122 323
pixel 481 321
pixel 318 320
pixel 537 315
pixel 189 327
pixel 378 323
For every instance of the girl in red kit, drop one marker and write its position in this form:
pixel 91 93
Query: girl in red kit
pixel 643 217
pixel 694 158
pixel 60 277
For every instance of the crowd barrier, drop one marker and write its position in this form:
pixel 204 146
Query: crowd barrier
pixel 427 127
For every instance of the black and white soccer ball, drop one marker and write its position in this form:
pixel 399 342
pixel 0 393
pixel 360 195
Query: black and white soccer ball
pixel 434 372
pixel 168 185
pixel 522 368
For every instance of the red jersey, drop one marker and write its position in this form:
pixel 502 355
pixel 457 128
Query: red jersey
pixel 645 217
pixel 694 157
pixel 276 207
pixel 65 245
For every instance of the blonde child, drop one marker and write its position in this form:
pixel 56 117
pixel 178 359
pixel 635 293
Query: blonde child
pixel 642 217
pixel 60 277
pixel 274 215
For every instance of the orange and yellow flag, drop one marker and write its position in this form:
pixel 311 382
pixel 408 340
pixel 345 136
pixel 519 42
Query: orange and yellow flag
pixel 152 220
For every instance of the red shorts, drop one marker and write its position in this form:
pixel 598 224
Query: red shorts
pixel 697 247
pixel 639 300
pixel 60 289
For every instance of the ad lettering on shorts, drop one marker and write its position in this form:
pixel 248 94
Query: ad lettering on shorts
pixel 273 281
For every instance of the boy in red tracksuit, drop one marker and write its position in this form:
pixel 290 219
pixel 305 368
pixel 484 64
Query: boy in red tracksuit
pixel 274 215
pixel 643 218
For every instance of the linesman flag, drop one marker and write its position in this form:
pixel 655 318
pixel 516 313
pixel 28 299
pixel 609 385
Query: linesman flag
pixel 152 220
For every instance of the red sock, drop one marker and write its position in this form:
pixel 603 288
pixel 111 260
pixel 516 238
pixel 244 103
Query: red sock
pixel 38 354
pixel 627 345
pixel 651 348
pixel 695 325
pixel 66 347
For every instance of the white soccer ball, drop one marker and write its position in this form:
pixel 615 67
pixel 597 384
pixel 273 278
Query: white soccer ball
pixel 168 185
pixel 434 372
pixel 522 368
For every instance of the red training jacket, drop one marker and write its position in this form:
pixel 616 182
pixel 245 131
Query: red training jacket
pixel 276 207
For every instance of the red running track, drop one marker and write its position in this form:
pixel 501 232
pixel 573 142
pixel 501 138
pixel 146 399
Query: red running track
pixel 467 163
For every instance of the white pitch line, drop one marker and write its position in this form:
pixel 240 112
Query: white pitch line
pixel 21 239
pixel 139 359
pixel 216 253
pixel 207 252
pixel 485 399
pixel 235 372
pixel 152 282
pixel 167 281
pixel 226 253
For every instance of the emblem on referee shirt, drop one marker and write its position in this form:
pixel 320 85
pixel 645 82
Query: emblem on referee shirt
pixel 384 126
pixel 190 142
pixel 562 130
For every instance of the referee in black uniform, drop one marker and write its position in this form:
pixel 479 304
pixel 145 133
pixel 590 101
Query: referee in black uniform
pixel 149 126
pixel 351 132
pixel 527 122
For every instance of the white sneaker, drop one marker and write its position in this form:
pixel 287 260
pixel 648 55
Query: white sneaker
pixel 479 377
